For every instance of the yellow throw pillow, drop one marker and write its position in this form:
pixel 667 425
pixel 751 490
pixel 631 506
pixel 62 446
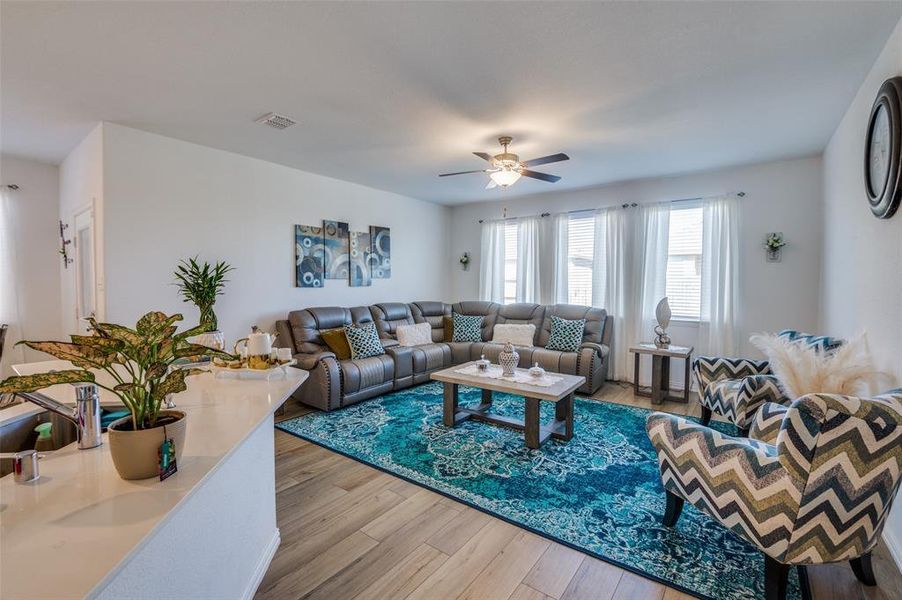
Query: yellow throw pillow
pixel 337 342
pixel 448 328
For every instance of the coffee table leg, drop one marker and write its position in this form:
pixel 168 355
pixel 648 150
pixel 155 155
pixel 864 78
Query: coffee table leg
pixel 563 411
pixel 486 398
pixel 450 404
pixel 532 423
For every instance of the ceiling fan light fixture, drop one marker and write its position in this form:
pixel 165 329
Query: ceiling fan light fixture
pixel 505 177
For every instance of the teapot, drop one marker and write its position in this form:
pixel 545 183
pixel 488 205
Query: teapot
pixel 257 343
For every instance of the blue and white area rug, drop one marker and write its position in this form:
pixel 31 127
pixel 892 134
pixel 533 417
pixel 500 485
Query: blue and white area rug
pixel 600 493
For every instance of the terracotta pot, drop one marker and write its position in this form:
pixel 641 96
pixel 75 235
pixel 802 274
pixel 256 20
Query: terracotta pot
pixel 136 453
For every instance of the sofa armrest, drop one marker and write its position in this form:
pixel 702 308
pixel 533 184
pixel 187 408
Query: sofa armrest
pixel 322 389
pixel 600 349
pixel 308 361
pixel 389 343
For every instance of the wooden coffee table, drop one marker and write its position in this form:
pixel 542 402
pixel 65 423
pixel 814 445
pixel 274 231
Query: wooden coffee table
pixel 561 393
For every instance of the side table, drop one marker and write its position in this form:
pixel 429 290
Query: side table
pixel 660 371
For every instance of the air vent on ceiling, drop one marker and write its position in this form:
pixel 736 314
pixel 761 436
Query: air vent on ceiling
pixel 276 121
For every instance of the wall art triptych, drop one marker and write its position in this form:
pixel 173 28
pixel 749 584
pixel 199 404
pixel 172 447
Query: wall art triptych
pixel 333 251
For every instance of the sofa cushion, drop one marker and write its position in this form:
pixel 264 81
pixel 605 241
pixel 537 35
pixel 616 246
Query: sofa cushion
pixel 337 342
pixel 566 335
pixel 364 341
pixel 432 313
pixel 389 316
pixel 518 335
pixel 467 328
pixel 361 373
pixel 556 361
pixel 306 324
pixel 414 335
pixel 430 357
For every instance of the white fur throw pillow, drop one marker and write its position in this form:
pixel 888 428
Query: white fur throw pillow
pixel 518 335
pixel 801 369
pixel 414 335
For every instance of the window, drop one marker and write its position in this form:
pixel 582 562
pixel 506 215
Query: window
pixel 510 262
pixel 580 247
pixel 684 263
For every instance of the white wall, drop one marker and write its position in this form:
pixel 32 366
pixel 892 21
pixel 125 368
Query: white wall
pixel 780 196
pixel 167 200
pixel 36 242
pixel 862 255
pixel 81 188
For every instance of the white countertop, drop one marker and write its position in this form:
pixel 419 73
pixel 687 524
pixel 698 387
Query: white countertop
pixel 70 530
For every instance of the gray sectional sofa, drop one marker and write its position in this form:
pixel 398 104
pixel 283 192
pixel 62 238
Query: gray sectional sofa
pixel 337 383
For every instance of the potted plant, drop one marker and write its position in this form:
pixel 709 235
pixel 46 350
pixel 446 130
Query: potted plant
pixel 138 361
pixel 774 245
pixel 201 284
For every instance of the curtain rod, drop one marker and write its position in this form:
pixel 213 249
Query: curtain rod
pixel 624 205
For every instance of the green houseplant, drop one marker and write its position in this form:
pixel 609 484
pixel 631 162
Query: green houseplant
pixel 202 284
pixel 138 362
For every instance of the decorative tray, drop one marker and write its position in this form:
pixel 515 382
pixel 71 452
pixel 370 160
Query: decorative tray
pixel 248 373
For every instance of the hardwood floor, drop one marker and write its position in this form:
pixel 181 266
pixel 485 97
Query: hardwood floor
pixel 351 532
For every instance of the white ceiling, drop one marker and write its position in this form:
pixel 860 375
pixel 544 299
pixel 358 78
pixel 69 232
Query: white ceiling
pixel 391 94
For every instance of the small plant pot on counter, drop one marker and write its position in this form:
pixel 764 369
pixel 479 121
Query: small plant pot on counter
pixel 136 453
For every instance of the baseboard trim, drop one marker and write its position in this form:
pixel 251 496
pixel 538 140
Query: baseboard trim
pixel 263 565
pixel 894 546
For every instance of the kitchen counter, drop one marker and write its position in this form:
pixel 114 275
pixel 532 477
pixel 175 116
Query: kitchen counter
pixel 208 531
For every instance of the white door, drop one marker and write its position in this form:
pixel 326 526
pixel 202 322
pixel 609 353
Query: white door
pixel 85 279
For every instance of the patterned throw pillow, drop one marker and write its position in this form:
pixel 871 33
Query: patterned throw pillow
pixel 566 336
pixel 364 341
pixel 467 328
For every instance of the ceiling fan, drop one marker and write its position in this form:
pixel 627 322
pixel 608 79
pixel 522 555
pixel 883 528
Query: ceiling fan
pixel 507 167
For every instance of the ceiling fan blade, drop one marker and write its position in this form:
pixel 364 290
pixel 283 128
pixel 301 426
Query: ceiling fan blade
pixel 485 156
pixel 542 176
pixel 491 184
pixel 462 173
pixel 551 158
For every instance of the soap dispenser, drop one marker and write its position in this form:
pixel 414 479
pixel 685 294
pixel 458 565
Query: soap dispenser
pixel 45 439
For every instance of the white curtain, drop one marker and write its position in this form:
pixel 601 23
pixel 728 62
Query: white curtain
pixel 529 264
pixel 718 334
pixel 491 262
pixel 541 259
pixel 9 297
pixel 557 290
pixel 629 275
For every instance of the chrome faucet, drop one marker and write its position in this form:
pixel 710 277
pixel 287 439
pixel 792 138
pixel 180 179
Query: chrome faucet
pixel 85 414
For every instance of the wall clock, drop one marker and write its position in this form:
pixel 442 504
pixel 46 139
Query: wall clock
pixel 883 150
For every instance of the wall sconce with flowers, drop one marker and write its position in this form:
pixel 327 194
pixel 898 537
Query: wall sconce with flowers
pixel 465 261
pixel 773 245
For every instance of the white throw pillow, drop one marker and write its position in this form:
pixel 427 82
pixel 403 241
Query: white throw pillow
pixel 518 335
pixel 414 335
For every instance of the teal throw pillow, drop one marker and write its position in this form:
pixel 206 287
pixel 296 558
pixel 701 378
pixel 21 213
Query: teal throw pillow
pixel 364 341
pixel 566 336
pixel 467 328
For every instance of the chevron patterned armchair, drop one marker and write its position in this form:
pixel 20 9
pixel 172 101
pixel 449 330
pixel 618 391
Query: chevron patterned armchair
pixel 736 388
pixel 813 484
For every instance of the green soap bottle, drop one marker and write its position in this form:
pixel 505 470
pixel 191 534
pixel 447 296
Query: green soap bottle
pixel 45 439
